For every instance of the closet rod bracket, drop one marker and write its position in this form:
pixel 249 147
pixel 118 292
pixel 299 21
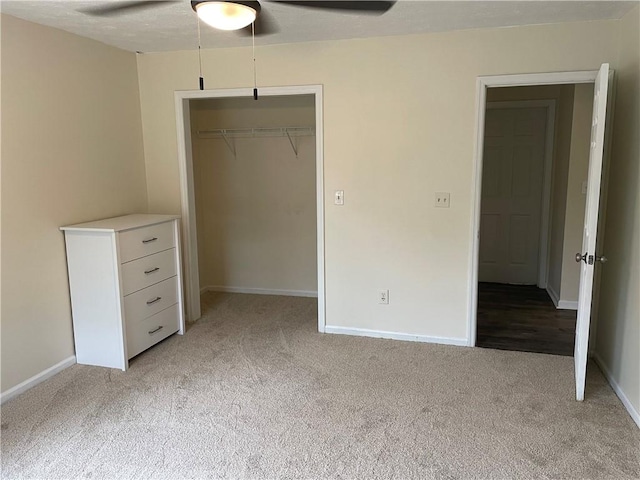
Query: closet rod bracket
pixel 293 145
pixel 229 144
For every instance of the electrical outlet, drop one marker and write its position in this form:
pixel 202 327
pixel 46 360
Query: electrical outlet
pixel 442 199
pixel 383 297
pixel 338 198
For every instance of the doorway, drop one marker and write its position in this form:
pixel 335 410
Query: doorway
pixel 589 255
pixel 190 230
pixel 535 163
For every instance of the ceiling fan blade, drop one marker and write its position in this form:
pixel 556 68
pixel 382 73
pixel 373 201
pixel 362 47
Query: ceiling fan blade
pixel 117 8
pixel 373 7
pixel 265 24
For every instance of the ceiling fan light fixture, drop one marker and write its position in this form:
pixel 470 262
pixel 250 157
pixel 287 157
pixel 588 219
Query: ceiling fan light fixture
pixel 226 15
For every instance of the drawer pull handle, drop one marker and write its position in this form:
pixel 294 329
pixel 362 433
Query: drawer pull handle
pixel 156 330
pixel 149 240
pixel 153 270
pixel 155 300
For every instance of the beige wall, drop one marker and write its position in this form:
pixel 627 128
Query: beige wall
pixel 559 183
pixel 256 211
pixel 399 124
pixel 618 336
pixel 576 200
pixel 71 151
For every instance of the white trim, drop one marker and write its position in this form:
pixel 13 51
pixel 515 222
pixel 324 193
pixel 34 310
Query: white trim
pixel 616 388
pixel 558 302
pixel 482 84
pixel 545 207
pixel 567 305
pixel 188 204
pixel 185 161
pixel 319 96
pixel 481 103
pixel 36 379
pixel 555 298
pixel 176 233
pixel 550 78
pixel 259 291
pixel 405 337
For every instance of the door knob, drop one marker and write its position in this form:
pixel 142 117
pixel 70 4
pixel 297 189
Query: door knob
pixel 590 259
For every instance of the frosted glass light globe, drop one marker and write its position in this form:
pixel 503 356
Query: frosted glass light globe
pixel 226 15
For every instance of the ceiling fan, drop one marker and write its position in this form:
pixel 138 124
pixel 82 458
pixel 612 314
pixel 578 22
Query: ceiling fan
pixel 241 14
pixel 245 16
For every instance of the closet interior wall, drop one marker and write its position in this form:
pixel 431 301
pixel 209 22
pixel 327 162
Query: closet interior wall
pixel 255 196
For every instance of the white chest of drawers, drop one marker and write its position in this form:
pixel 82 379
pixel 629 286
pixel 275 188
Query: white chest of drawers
pixel 126 286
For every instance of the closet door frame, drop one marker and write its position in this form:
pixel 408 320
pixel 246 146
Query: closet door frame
pixel 185 162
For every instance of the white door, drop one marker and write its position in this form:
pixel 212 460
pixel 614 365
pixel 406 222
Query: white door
pixel 588 257
pixel 511 204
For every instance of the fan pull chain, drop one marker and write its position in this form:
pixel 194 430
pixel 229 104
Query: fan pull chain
pixel 200 55
pixel 253 42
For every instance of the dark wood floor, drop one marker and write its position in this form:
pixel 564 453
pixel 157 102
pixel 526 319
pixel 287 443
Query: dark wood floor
pixel 523 318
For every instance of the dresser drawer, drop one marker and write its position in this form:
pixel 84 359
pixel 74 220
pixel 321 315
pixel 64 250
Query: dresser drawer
pixel 141 242
pixel 145 333
pixel 151 300
pixel 149 270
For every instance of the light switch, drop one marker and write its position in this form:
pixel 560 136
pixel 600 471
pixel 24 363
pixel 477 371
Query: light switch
pixel 584 187
pixel 338 198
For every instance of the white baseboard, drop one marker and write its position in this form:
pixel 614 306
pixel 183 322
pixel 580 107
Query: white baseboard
pixel 567 305
pixel 555 298
pixel 36 379
pixel 561 304
pixel 616 388
pixel 259 291
pixel 407 337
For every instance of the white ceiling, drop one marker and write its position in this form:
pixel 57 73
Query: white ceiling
pixel 173 26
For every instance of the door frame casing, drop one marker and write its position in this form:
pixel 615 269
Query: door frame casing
pixel 187 191
pixel 545 207
pixel 482 84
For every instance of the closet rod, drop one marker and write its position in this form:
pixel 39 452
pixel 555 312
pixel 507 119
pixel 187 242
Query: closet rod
pixel 257 132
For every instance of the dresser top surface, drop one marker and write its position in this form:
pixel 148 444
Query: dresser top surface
pixel 119 224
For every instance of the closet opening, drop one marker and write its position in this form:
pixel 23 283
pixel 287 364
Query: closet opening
pixel 252 197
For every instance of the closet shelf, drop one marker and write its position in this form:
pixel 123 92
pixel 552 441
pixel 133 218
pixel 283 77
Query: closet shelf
pixel 257 132
pixel 228 133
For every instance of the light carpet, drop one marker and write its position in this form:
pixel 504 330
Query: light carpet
pixel 253 391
